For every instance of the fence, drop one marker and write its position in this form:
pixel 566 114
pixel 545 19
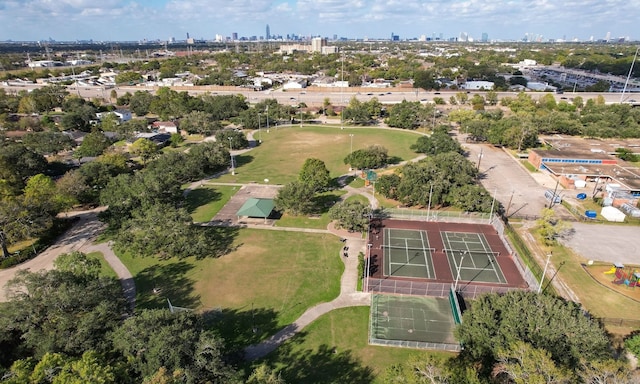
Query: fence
pixel 424 288
pixel 529 276
pixel 629 323
pixel 416 344
pixel 441 216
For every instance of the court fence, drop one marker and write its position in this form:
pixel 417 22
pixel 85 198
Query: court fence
pixel 425 288
pixel 529 276
pixel 406 343
pixel 441 216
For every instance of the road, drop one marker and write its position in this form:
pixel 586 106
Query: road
pixel 315 96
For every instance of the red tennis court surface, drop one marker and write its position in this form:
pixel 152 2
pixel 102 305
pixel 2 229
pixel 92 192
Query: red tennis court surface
pixel 444 278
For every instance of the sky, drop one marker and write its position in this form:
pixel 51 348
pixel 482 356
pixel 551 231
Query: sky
pixel 127 20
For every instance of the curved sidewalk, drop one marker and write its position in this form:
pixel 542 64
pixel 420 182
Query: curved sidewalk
pixel 77 238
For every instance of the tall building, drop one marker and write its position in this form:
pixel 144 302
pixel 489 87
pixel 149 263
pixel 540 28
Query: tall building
pixel 268 33
pixel 485 37
pixel 234 36
pixel 317 43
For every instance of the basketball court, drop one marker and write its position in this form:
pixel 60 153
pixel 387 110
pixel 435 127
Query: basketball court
pixel 412 321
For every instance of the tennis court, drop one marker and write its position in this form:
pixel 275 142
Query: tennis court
pixel 407 254
pixel 413 321
pixel 471 258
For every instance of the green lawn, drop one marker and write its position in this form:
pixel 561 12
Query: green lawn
pixel 205 202
pixel 359 198
pixel 319 221
pixel 105 268
pixel 267 282
pixel 283 151
pixel 335 349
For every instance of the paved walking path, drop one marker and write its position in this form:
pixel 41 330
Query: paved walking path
pixel 77 238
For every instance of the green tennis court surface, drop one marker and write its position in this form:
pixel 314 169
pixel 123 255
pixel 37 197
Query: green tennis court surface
pixel 471 258
pixel 411 319
pixel 407 254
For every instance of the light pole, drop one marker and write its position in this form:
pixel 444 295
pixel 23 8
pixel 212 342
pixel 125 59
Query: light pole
pixel 259 129
pixel 233 170
pixel 366 269
pixel 267 122
pixel 544 272
pixel 351 148
pixel 462 253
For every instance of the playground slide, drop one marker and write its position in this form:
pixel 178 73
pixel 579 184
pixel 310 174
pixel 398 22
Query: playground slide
pixel 611 271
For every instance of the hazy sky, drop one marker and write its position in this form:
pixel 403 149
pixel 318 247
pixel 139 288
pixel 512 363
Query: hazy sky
pixel 163 19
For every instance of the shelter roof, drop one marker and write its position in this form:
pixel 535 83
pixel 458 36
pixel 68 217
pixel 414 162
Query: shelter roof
pixel 255 207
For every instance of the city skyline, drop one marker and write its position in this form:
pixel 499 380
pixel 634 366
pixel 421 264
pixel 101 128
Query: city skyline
pixel 506 20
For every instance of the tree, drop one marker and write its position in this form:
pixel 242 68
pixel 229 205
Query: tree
pixel 262 374
pixel 387 185
pixel 18 221
pixel 315 173
pixel 470 198
pixel 405 115
pixel 356 112
pixel 47 143
pixel 176 341
pixel 438 142
pixel 351 215
pixel 523 364
pixel 164 231
pixel 17 164
pixel 199 122
pixel 93 144
pixel 62 311
pixel 550 226
pixel 140 102
pixel 496 321
pixel 144 148
pixel 232 139
pixel 129 78
pixel 425 80
pixel 42 194
pixel 296 198
pixel 372 157
pixel 78 264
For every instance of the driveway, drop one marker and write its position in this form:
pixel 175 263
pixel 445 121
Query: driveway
pixel 520 192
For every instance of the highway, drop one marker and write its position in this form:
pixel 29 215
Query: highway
pixel 337 96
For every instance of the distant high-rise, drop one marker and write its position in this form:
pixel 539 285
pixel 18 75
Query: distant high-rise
pixel 608 37
pixel 485 37
pixel 268 33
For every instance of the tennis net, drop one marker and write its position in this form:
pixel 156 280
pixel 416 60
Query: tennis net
pixel 467 252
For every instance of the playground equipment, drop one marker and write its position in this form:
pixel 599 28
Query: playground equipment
pixel 633 280
pixel 614 268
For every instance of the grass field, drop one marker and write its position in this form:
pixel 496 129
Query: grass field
pixel 205 202
pixel 283 151
pixel 267 282
pixel 105 268
pixel 335 349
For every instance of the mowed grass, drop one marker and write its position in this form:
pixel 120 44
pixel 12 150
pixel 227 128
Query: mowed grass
pixel 266 283
pixel 283 151
pixel 335 349
pixel 318 221
pixel 205 202
pixel 105 268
